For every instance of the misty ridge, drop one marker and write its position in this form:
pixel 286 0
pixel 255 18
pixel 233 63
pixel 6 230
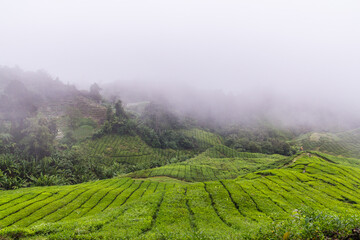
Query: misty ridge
pixel 297 107
pixel 302 108
pixel 293 64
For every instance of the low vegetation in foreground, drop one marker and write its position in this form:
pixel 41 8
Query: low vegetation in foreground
pixel 308 198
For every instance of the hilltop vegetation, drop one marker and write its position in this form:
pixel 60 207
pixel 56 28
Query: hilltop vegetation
pixel 262 138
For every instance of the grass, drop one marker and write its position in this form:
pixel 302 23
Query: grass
pixel 309 197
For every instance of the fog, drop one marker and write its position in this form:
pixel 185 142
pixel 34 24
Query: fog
pixel 228 58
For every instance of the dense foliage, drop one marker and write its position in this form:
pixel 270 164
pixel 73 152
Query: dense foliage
pixel 262 139
pixel 62 167
pixel 158 127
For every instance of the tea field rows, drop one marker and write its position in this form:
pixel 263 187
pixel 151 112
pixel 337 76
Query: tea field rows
pixel 344 143
pixel 131 150
pixel 218 162
pixel 203 138
pixel 126 208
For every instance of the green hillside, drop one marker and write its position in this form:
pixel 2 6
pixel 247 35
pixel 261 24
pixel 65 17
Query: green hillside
pixel 135 154
pixel 131 151
pixel 346 144
pixel 255 205
pixel 219 162
pixel 74 165
pixel 203 138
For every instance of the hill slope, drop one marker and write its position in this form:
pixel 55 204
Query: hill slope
pixel 141 209
pixel 131 151
pixel 344 143
pixel 218 162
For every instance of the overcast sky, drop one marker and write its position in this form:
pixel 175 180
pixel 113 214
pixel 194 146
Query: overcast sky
pixel 232 45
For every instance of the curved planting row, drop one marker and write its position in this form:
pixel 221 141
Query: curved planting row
pixel 114 145
pixel 140 209
pixel 203 138
pixel 184 172
pixel 132 150
pixel 206 168
pixel 345 144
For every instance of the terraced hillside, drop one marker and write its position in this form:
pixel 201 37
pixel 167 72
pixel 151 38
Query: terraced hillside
pixel 344 143
pixel 125 208
pixel 132 150
pixel 86 106
pixel 218 162
pixel 204 139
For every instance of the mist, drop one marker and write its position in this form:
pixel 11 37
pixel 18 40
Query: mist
pixel 293 61
pixel 318 111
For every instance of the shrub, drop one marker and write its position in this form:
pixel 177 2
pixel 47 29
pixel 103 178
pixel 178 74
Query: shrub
pixel 312 224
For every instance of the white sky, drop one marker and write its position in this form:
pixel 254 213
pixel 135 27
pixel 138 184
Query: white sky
pixel 231 45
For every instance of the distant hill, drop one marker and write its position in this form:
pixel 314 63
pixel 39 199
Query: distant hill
pixel 30 93
pixel 342 143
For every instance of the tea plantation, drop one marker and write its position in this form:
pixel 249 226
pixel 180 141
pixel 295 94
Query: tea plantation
pixel 131 150
pixel 343 143
pixel 218 162
pixel 308 195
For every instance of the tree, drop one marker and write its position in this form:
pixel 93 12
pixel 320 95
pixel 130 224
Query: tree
pixel 69 138
pixel 17 102
pixel 95 92
pixel 119 110
pixel 254 147
pixel 39 139
pixel 160 118
pixel 109 114
pixel 6 142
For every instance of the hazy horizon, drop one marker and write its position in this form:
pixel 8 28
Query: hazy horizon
pixel 228 45
pixel 267 53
